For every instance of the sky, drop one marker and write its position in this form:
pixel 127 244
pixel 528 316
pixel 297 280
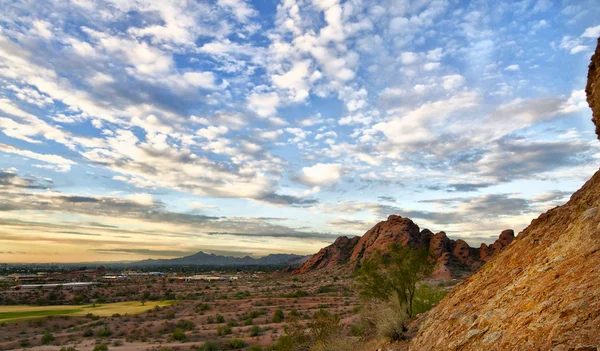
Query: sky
pixel 132 129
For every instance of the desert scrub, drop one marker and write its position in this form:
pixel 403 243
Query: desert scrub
pixel 210 346
pixel 255 331
pixel 237 344
pixel 224 330
pixel 278 316
pixel 100 347
pixel 103 332
pixel 178 334
pixel 385 320
pixel 47 338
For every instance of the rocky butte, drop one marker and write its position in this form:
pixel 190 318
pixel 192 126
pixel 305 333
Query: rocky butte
pixel 455 259
pixel 543 291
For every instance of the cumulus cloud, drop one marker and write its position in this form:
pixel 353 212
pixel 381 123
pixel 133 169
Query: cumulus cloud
pixel 320 174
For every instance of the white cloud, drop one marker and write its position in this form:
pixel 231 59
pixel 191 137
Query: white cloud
pixel 42 28
pixel 53 159
pixel 321 174
pixel 512 68
pixel 240 9
pixel 453 81
pixel 142 199
pixel 212 132
pixel 265 104
pixel 591 32
pixel 294 80
pixel 431 66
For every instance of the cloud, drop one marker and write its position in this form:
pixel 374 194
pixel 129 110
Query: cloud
pixel 591 32
pixel 53 159
pixel 512 68
pixel 265 104
pixel 320 174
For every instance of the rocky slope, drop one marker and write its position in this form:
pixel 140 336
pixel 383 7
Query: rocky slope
pixel 592 88
pixel 543 291
pixel 454 258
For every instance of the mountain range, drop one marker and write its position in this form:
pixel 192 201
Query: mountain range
pixel 205 259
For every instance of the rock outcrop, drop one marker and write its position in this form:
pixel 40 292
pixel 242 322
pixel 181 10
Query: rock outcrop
pixel 454 258
pixel 335 254
pixel 487 252
pixel 543 291
pixel 592 88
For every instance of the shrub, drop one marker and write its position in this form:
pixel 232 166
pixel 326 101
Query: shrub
pixel 185 324
pixel 47 338
pixel 203 307
pixel 325 324
pixel 237 344
pixel 326 289
pixel 103 332
pixel 101 347
pixel 178 334
pixel 210 346
pixel 255 331
pixel 220 318
pixel 224 330
pixel 248 321
pixel 69 348
pixel 387 320
pixel 255 348
pixel 278 316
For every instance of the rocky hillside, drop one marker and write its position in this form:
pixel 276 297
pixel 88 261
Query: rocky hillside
pixel 592 88
pixel 543 291
pixel 454 258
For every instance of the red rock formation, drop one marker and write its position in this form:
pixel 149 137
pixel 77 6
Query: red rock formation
pixel 454 258
pixel 383 235
pixel 592 88
pixel 487 252
pixel 335 254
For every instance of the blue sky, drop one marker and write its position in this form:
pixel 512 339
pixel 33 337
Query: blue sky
pixel 137 128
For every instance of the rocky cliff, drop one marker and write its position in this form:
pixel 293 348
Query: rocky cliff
pixel 454 258
pixel 543 291
pixel 335 254
pixel 592 88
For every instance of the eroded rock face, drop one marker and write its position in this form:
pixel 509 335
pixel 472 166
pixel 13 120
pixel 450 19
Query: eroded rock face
pixel 453 258
pixel 592 89
pixel 487 252
pixel 383 235
pixel 542 292
pixel 335 254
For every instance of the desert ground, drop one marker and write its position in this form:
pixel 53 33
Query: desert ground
pixel 163 312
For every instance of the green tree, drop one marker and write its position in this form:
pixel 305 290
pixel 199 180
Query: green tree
pixel 395 274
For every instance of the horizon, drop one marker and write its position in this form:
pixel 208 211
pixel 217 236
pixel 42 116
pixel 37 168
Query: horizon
pixel 139 129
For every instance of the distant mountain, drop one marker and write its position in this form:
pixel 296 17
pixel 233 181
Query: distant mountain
pixel 204 259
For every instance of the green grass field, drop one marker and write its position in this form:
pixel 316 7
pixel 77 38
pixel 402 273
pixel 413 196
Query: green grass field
pixel 23 312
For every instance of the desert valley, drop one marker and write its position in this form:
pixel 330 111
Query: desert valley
pixel 233 245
